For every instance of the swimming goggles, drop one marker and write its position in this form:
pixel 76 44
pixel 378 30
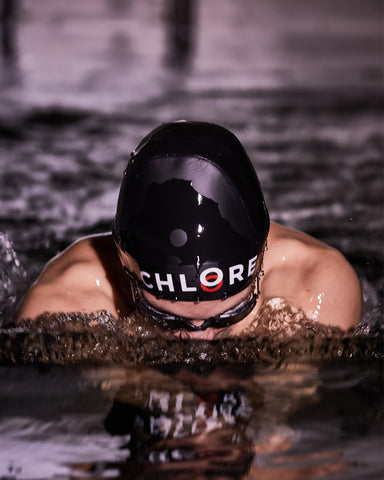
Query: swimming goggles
pixel 170 321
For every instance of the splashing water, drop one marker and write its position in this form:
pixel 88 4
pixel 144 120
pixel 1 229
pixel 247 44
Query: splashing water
pixel 12 278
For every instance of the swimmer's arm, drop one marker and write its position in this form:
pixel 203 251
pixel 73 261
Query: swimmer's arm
pixel 333 294
pixel 69 283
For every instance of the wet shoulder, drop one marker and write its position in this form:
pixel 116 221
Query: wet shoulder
pixel 313 276
pixel 289 248
pixel 76 280
pixel 83 257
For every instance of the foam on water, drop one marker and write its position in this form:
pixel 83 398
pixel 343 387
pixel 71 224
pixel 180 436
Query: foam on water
pixel 280 334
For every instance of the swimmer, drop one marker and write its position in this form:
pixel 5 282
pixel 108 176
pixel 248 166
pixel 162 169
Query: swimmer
pixel 192 249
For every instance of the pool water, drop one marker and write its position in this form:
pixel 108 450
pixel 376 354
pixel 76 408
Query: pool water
pixel 232 421
pixel 300 83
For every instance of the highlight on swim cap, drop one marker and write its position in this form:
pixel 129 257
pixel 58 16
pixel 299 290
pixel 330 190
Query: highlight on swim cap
pixel 191 212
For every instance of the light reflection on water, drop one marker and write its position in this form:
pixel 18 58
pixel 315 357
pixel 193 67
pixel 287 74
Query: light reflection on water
pixel 300 83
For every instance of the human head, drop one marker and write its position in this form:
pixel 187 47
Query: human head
pixel 191 213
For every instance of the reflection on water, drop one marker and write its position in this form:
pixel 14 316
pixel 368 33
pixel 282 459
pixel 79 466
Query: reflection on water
pixel 233 422
pixel 185 423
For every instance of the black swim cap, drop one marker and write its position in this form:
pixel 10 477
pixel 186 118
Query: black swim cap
pixel 191 212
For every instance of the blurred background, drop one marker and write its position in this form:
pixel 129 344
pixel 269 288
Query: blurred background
pixel 298 81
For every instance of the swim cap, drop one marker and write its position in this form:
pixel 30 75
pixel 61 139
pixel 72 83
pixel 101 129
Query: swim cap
pixel 191 212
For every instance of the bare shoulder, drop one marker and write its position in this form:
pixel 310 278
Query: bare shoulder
pixel 74 280
pixel 314 276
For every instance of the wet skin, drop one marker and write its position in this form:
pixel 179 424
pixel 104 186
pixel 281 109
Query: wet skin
pixel 88 276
